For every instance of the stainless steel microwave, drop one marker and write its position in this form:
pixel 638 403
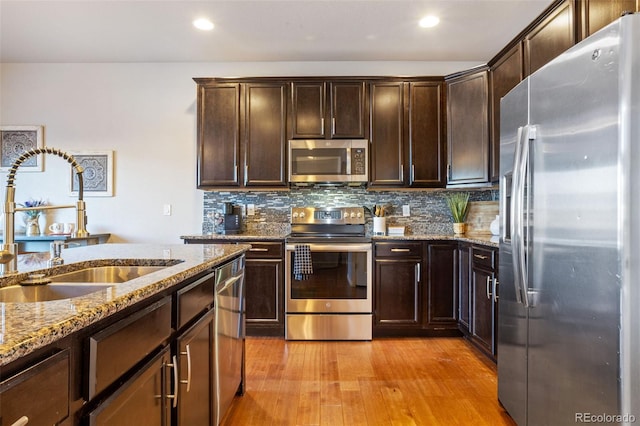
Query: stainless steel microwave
pixel 328 161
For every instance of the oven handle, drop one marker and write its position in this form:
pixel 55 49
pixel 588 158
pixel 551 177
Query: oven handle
pixel 334 247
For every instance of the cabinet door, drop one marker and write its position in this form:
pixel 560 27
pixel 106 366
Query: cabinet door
pixel 265 138
pixel 442 273
pixel 551 37
pixel 218 135
pixel 464 288
pixel 195 373
pixel 308 106
pixel 347 109
pixel 596 14
pixel 397 293
pixel 264 297
pixel 426 140
pixel 482 324
pixel 142 400
pixel 387 115
pixel 468 132
pixel 506 73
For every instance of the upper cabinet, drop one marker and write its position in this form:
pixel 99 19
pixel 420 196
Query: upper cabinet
pixel 468 128
pixel 550 37
pixel 504 75
pixel 241 134
pixel 344 116
pixel 595 14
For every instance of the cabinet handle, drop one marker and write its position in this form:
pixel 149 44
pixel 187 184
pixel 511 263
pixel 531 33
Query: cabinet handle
pixel 333 125
pixel 401 172
pixel 449 171
pixel 322 126
pixel 246 174
pixel 488 287
pixel 413 173
pixel 495 290
pixel 174 365
pixel 258 249
pixel 188 381
pixel 400 250
pixel 417 272
pixel 479 256
pixel 235 172
pixel 21 421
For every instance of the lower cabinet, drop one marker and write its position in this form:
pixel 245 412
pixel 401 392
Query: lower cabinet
pixel 195 374
pixel 414 290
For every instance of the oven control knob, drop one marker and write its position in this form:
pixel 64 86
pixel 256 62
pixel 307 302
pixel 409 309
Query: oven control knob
pixel 359 214
pixel 353 215
pixel 302 215
pixel 295 214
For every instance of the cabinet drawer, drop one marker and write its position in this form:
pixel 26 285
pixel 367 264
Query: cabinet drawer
pixel 262 250
pixel 117 348
pixel 39 394
pixel 194 298
pixel 483 257
pixel 398 249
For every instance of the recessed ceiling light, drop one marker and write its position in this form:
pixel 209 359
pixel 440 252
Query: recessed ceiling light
pixel 429 21
pixel 203 24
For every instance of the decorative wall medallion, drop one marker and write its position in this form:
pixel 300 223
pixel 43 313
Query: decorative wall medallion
pixel 15 140
pixel 97 175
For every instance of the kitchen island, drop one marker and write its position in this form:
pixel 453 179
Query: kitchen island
pixel 92 351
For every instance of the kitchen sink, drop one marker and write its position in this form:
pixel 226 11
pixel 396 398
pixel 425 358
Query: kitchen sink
pixel 47 292
pixel 104 274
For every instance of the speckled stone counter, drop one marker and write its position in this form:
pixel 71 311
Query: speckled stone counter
pixel 25 327
pixel 482 239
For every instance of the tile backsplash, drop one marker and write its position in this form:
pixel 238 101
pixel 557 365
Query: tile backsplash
pixel 429 213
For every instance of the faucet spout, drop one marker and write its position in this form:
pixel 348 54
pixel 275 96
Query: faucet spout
pixel 8 259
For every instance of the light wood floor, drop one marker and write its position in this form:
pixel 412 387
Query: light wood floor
pixel 434 381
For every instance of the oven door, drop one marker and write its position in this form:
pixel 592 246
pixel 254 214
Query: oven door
pixel 340 282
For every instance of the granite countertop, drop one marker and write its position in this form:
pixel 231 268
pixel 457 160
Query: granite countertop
pixel 25 327
pixel 50 237
pixel 479 238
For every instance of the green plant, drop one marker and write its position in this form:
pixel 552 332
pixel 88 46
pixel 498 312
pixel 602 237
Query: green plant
pixel 32 214
pixel 458 203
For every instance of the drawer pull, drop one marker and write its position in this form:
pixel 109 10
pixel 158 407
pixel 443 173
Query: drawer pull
pixel 21 421
pixel 174 365
pixel 258 249
pixel 188 381
pixel 400 250
pixel 479 256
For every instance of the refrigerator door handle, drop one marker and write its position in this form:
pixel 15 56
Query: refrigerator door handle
pixel 520 171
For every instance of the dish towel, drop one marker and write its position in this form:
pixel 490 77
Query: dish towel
pixel 302 265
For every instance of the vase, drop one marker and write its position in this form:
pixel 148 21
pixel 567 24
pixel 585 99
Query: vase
pixel 32 227
pixel 459 228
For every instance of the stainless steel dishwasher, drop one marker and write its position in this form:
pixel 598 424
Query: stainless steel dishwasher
pixel 230 335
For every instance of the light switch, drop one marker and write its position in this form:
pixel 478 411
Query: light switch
pixel 166 210
pixel 405 210
pixel 251 209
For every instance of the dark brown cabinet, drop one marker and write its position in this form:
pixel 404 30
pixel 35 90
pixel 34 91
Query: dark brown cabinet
pixel 387 133
pixel 241 134
pixel 265 134
pixel 468 128
pixel 218 134
pixel 464 288
pixel 505 74
pixel 195 358
pixel 595 14
pixel 426 134
pixel 442 274
pixel 484 300
pixel 398 277
pixel 345 117
pixel 549 38
pixel 264 289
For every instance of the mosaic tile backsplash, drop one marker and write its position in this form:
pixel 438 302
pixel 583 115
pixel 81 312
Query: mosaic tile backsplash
pixel 429 211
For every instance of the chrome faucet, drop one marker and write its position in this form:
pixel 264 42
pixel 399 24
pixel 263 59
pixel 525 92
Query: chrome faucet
pixel 55 253
pixel 9 252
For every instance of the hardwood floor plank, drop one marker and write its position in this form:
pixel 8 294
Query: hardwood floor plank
pixel 429 381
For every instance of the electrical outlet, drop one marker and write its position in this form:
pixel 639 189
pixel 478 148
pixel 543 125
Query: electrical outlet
pixel 251 209
pixel 166 210
pixel 405 210
pixel 244 209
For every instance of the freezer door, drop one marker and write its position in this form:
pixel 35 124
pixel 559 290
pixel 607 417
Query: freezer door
pixel 574 282
pixel 512 318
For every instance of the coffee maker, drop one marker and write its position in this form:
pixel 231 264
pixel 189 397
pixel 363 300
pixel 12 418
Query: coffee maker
pixel 232 219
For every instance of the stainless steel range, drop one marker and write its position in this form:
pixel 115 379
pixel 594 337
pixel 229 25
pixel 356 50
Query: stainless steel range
pixel 328 269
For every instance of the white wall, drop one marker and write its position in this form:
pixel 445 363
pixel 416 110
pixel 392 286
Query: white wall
pixel 145 113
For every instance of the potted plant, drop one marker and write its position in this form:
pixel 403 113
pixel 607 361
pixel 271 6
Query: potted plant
pixel 458 203
pixel 31 216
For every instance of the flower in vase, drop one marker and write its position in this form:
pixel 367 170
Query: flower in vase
pixel 32 214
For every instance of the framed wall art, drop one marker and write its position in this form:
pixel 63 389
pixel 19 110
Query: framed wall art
pixel 97 175
pixel 14 140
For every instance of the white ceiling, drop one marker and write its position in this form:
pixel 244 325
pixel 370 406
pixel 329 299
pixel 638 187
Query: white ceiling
pixel 262 30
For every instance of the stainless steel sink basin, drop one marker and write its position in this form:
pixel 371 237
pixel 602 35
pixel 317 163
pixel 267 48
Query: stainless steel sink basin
pixel 47 292
pixel 104 274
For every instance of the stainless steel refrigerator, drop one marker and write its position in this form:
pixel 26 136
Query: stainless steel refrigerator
pixel 569 306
